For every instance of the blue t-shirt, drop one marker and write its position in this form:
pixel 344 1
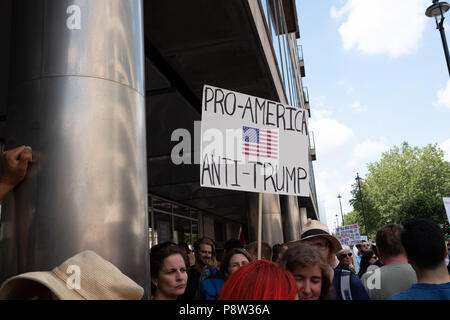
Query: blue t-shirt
pixel 211 288
pixel 358 261
pixel 424 291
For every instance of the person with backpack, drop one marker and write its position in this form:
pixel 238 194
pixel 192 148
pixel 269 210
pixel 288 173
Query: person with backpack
pixel 346 285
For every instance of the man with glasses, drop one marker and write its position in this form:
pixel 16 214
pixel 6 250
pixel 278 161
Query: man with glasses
pixel 347 286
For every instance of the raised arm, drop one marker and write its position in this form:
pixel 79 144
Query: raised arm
pixel 14 165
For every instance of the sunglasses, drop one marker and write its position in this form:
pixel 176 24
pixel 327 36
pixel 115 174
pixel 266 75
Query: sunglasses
pixel 345 255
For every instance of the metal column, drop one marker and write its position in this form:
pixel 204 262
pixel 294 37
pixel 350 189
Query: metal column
pixel 291 217
pixel 272 230
pixel 77 97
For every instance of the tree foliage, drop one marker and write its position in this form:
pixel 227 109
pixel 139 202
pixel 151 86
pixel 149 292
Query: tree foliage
pixel 407 182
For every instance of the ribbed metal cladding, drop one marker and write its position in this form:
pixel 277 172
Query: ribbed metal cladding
pixel 272 230
pixel 77 98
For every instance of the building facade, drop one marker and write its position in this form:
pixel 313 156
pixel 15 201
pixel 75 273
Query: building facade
pixel 103 90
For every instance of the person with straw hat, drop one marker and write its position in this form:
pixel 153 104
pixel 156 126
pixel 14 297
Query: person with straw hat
pixel 85 276
pixel 347 286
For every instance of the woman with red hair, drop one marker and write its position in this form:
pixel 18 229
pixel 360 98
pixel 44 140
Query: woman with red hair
pixel 259 280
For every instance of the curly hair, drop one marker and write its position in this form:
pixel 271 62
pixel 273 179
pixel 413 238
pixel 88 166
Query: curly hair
pixel 259 280
pixel 303 255
pixel 207 241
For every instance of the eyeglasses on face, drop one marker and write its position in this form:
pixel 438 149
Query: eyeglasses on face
pixel 345 255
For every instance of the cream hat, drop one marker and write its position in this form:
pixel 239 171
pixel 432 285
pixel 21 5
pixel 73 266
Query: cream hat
pixel 98 280
pixel 315 228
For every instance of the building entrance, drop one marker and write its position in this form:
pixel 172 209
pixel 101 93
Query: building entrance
pixel 170 221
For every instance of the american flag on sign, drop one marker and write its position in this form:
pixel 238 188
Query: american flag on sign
pixel 260 143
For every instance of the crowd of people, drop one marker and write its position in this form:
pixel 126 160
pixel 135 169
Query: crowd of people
pixel 408 261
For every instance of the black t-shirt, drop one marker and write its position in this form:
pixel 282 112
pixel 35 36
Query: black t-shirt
pixel 192 285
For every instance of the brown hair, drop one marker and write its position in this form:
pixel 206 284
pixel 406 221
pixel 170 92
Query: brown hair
pixel 226 259
pixel 388 240
pixel 159 253
pixel 208 242
pixel 303 255
pixel 266 250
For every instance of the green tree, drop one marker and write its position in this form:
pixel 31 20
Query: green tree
pixel 353 218
pixel 407 182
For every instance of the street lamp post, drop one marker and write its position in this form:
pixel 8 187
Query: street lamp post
pixel 437 10
pixel 340 204
pixel 362 204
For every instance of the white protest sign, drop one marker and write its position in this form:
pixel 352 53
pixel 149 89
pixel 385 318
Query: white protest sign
pixel 253 144
pixel 447 207
pixel 348 235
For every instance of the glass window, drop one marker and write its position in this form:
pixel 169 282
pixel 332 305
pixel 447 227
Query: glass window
pixel 163 227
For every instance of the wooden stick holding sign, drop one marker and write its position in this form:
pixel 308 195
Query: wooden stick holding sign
pixel 259 225
pixel 246 145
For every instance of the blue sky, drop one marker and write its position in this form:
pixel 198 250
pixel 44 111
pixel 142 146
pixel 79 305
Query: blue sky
pixel 377 76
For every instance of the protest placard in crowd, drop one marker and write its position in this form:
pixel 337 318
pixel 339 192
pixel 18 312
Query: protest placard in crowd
pixel 253 144
pixel 348 235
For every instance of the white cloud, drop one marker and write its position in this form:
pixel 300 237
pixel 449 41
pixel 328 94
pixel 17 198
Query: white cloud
pixel 367 151
pixel 329 134
pixel 337 14
pixel 318 102
pixel 329 185
pixel 356 105
pixel 446 147
pixel 322 114
pixel 443 96
pixel 347 86
pixel 392 27
pixel 339 180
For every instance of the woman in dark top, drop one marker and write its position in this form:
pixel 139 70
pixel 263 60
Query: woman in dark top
pixel 210 287
pixel 367 259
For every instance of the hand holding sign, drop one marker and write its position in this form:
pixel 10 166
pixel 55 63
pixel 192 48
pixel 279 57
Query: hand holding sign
pixel 253 144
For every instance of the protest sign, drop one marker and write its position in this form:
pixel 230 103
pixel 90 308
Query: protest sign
pixel 348 235
pixel 253 144
pixel 447 207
